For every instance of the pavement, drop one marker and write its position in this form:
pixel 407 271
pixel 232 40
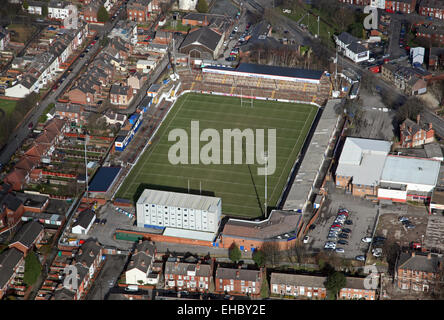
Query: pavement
pixel 363 214
pixel 107 278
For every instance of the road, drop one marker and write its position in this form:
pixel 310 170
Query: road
pixel 16 138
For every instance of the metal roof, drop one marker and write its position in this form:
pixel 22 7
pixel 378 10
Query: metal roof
pixel 363 159
pixel 410 170
pixel 179 200
pixel 103 179
pixel 189 234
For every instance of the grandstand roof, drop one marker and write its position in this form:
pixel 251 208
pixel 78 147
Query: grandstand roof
pixel 273 71
pixel 103 179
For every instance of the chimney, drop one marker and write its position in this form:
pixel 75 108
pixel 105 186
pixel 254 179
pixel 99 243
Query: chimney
pixel 418 117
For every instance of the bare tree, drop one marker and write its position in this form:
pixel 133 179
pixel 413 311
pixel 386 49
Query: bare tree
pixel 272 253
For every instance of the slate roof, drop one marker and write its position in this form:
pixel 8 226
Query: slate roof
pixel 297 280
pixel 88 252
pixel 84 219
pixel 27 234
pixel 118 89
pixel 419 262
pixel 203 36
pixel 238 274
pixel 181 268
pixel 8 261
pixel 103 179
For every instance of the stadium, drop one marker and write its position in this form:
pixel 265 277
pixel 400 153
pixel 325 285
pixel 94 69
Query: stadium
pixel 249 96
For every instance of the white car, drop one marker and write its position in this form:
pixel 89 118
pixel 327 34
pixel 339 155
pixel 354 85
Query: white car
pixel 235 29
pixel 306 239
pixel 225 43
pixel 340 250
pixel 366 239
pixel 371 60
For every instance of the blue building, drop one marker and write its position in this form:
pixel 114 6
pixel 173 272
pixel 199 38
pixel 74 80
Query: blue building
pixel 127 132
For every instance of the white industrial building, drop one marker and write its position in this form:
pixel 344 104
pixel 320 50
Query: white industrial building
pixel 179 214
pixel 380 4
pixel 352 48
pixel 408 178
pixel 187 5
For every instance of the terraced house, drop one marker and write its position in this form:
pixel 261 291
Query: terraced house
pixel 11 262
pixel 417 272
pixel 188 276
pixel 238 281
pixel 432 8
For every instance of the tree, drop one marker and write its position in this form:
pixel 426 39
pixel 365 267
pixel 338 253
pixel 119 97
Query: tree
pixel 259 258
pixel 234 253
pixel 25 5
pixel 410 109
pixel 202 6
pixel 102 15
pixel 272 254
pixel 44 10
pixel 265 288
pixel 334 283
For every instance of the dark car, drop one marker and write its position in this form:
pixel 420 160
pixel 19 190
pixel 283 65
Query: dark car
pixel 349 222
pixel 378 244
pixel 343 236
pixel 342 241
pixel 346 230
pixel 82 55
pixel 311 227
pixel 375 239
pixel 30 125
pixel 405 222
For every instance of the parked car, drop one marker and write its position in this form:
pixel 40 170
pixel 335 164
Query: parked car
pixel 402 219
pixel 335 229
pixel 379 238
pixel 360 258
pixel 306 239
pixel 340 250
pixel 366 239
pixel 312 227
pixel 348 222
pixel 30 125
pixel 343 235
pixel 335 225
pixel 343 242
pixel 346 230
pixel 410 226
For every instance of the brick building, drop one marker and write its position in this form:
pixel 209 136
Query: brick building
pixel 413 134
pixel 184 276
pixel 30 234
pixel 355 290
pixel 418 272
pixel 360 165
pixel 120 95
pixel 238 281
pixel 403 6
pixel 11 262
pixel 431 8
pixel 298 285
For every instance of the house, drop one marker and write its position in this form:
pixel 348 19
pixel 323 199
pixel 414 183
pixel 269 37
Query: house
pixel 402 6
pixel 112 117
pixel 84 222
pixel 72 112
pixel 4 38
pixel 90 11
pixel 411 80
pixel 139 10
pixel 11 208
pixel 33 202
pixel 58 10
pixel 431 8
pixel 352 47
pixel 35 7
pixel 120 95
pixel 136 81
pixel 183 276
pixel 418 272
pixel 87 260
pixel 11 263
pixel 30 234
pixel 436 35
pixel 145 65
pixel 408 179
pixel 297 285
pixel 140 265
pixel 202 43
pixel 163 37
pixel 436 58
pixel 360 165
pixel 238 281
pixel 125 30
pixel 218 22
pixel 280 227
pixel 413 134
pixel 355 289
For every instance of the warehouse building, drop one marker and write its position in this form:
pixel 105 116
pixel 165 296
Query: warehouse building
pixel 408 179
pixel 179 214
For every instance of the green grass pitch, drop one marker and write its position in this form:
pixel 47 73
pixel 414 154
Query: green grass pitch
pixel 239 186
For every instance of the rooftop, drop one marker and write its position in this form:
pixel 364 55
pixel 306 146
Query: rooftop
pixel 103 179
pixel 179 200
